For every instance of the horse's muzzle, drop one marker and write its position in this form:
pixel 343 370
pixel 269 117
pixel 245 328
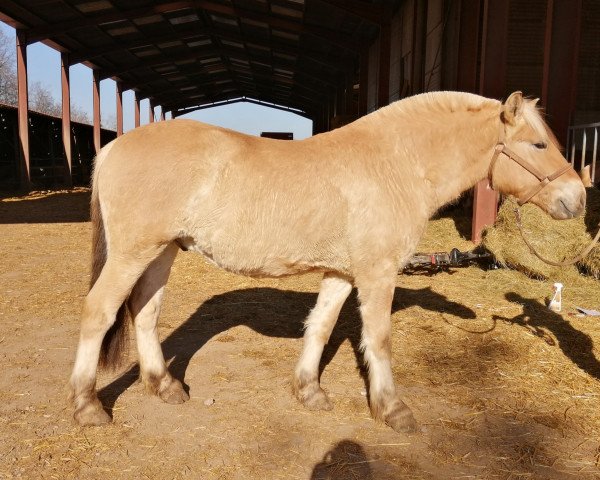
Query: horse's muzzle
pixel 569 205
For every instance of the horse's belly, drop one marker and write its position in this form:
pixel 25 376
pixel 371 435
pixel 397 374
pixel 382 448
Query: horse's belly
pixel 267 258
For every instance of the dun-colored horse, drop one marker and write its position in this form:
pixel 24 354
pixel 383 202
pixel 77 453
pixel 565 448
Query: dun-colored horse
pixel 351 203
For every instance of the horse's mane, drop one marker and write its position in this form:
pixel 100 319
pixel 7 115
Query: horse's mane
pixel 438 102
pixel 444 102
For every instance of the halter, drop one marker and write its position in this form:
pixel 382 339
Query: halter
pixel 544 179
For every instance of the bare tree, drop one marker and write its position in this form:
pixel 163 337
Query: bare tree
pixel 41 100
pixel 109 122
pixel 78 115
pixel 8 73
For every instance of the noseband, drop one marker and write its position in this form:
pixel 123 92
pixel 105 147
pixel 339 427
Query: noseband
pixel 544 179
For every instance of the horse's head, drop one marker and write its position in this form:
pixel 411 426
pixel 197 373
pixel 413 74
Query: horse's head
pixel 529 165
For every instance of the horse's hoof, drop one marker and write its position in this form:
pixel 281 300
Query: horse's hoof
pixel 402 420
pixel 174 393
pixel 91 414
pixel 316 400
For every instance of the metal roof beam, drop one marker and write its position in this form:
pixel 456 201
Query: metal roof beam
pixel 307 93
pixel 275 46
pixel 257 101
pixel 166 96
pixel 218 52
pixel 47 31
pixel 371 13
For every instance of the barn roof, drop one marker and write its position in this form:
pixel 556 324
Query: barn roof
pixel 190 54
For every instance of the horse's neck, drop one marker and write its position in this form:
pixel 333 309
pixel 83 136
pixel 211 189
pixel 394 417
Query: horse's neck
pixel 452 150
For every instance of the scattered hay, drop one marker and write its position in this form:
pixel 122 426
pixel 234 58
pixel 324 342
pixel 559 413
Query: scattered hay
pixel 557 240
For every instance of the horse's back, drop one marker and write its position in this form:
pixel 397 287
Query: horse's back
pixel 257 206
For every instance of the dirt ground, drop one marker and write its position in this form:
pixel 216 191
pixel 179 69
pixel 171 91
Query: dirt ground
pixel 502 387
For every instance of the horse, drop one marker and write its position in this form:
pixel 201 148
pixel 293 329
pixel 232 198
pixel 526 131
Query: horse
pixel 351 203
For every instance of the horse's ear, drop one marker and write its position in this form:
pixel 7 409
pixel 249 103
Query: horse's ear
pixel 512 108
pixel 586 177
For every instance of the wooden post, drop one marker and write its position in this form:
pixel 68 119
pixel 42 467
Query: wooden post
pixel 96 99
pixel 119 97
pixel 136 109
pixel 419 45
pixel 363 93
pixel 468 43
pixel 349 95
pixel 492 83
pixel 560 88
pixel 23 105
pixel 385 45
pixel 66 118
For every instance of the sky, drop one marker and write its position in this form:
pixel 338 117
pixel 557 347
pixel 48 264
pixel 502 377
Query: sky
pixel 44 67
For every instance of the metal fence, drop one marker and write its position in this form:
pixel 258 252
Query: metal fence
pixel 582 148
pixel 47 157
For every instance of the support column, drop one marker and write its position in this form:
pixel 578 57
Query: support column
pixel 363 93
pixel 119 97
pixel 66 118
pixel 349 95
pixel 492 83
pixel 468 46
pixel 96 98
pixel 136 109
pixel 385 48
pixel 561 54
pixel 23 105
pixel 419 45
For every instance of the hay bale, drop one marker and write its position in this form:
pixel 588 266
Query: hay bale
pixel 556 240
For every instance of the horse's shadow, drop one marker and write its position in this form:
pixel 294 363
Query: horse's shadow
pixel 274 313
pixel 540 320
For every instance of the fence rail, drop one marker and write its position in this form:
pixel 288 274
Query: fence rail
pixel 48 166
pixel 582 148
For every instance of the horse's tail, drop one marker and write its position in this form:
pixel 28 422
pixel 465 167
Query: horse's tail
pixel 116 339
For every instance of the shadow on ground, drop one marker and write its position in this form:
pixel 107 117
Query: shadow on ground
pixel 70 206
pixel 274 313
pixel 539 320
pixel 347 459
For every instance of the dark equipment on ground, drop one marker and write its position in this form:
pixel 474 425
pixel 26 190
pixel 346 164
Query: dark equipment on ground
pixel 445 260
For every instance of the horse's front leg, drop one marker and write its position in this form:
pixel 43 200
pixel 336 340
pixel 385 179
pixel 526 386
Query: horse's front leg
pixel 319 324
pixel 375 292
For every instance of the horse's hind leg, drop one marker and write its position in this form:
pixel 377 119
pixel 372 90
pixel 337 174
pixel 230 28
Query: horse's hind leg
pixel 144 305
pixel 375 292
pixel 99 313
pixel 319 324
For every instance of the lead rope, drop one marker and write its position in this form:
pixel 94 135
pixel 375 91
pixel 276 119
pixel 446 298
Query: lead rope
pixel 564 263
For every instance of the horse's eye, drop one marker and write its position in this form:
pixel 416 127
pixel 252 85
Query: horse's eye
pixel 540 145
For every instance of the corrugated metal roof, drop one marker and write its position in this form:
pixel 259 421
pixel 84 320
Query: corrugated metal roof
pixel 191 53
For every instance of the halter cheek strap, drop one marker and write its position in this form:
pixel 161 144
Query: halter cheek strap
pixel 544 179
